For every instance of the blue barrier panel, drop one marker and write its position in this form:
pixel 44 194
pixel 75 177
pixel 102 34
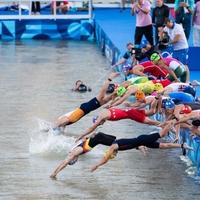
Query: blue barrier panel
pixel 193 61
pixel 47 29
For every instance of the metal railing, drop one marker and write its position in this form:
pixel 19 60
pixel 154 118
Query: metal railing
pixel 22 9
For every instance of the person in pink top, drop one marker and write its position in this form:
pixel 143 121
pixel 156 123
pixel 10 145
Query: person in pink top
pixel 178 72
pixel 142 8
pixel 196 25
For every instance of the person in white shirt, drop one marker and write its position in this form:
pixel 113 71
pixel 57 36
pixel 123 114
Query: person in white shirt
pixel 177 40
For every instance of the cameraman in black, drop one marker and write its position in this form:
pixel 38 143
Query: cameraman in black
pixel 134 53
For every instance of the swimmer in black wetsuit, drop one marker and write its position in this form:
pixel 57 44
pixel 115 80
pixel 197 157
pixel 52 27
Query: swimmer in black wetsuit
pixel 84 147
pixel 104 96
pixel 149 141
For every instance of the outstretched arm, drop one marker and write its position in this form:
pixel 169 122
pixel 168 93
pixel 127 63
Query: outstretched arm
pixel 101 119
pixel 104 87
pixel 171 72
pixel 167 126
pixel 60 167
pixel 132 90
pixel 106 157
pixel 121 61
pixel 72 155
pixel 186 118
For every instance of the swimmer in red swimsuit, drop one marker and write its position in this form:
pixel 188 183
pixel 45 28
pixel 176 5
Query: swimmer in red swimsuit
pixel 115 114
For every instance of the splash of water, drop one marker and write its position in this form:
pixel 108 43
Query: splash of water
pixel 44 142
pixel 191 169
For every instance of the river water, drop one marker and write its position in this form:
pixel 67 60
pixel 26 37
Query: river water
pixel 36 80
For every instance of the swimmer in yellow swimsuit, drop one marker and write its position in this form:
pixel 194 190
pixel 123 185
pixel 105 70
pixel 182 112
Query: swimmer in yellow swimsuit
pixel 84 147
pixel 104 96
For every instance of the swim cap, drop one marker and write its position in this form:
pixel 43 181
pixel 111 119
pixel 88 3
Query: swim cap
pixel 82 88
pixel 155 56
pixel 190 90
pixel 168 104
pixel 138 79
pixel 196 122
pixel 111 88
pixel 111 156
pixel 126 68
pixel 120 91
pixel 148 89
pixel 187 109
pixel 158 87
pixel 139 95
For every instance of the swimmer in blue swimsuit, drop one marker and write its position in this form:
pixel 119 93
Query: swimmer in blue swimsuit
pixel 149 141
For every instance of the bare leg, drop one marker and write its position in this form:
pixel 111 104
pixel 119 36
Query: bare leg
pixel 174 145
pixel 62 121
pixel 123 2
pixel 72 155
pixel 69 118
pixel 103 89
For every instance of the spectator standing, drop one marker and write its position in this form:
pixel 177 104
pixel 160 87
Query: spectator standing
pixel 159 15
pixel 183 11
pixel 61 6
pixel 177 40
pixel 35 8
pixel 123 3
pixel 196 24
pixel 141 8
